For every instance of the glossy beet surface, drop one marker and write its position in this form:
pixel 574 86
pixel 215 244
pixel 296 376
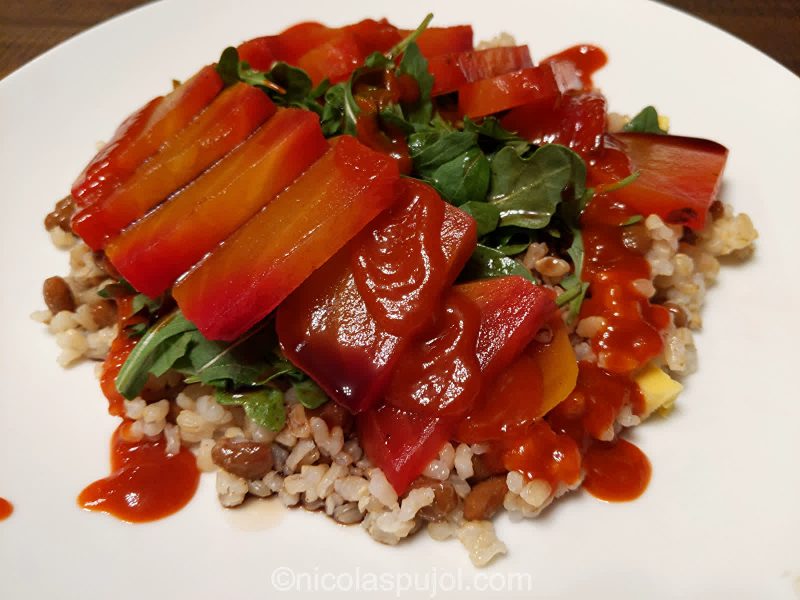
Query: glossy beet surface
pixel 269 257
pixel 344 338
pixel 142 134
pixel 231 118
pixel 451 71
pixel 158 249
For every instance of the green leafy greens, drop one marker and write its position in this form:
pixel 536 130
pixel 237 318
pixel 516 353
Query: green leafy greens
pixel 241 371
pixel 264 406
pixel 527 191
pixel 645 122
pixel 489 262
pixel 518 193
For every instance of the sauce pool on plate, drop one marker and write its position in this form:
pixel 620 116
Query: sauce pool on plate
pixel 616 471
pixel 146 483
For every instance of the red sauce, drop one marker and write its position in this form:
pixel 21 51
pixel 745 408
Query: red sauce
pixel 519 390
pixel 631 335
pixel 542 453
pixel 586 58
pixel 629 339
pixel 397 263
pixel 592 407
pixel 6 508
pixel 117 355
pixel 616 471
pixel 440 374
pixel 374 92
pixel 145 484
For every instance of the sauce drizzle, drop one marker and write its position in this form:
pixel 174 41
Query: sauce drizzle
pixel 121 347
pixel 146 483
pixel 586 58
pixel 6 508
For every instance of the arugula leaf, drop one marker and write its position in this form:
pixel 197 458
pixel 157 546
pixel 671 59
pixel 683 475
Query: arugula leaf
pixel 645 122
pixel 486 216
pixel 350 109
pixel 574 287
pixel 296 83
pixel 431 149
pixel 573 295
pixel 488 262
pixel 333 111
pixel 321 89
pixel 232 70
pixel 116 289
pixel 285 84
pixel 340 110
pixel 281 367
pixel 136 330
pixel 156 348
pixel 452 162
pixel 489 130
pixel 377 60
pixel 527 191
pixel 264 406
pixel 403 44
pixel 175 343
pixel 632 220
pixel 415 64
pixel 393 116
pixel 241 363
pixel 228 66
pixel 621 183
pixel 170 351
pixel 511 240
pixel 512 249
pixel 438 123
pixel 463 179
pixel 141 302
pixel 309 394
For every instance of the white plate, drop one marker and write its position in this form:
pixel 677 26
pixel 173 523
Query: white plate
pixel 720 518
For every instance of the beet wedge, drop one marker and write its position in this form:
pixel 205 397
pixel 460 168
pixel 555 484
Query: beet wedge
pixel 512 311
pixel 402 442
pixel 539 87
pixel 329 329
pixel 678 176
pixel 578 122
pixel 451 71
pixel 441 374
pixel 155 251
pixel 231 118
pixel 334 60
pixel 443 40
pixel 294 235
pixel 142 134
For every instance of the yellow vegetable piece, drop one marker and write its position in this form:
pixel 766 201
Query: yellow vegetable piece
pixel 658 388
pixel 663 122
pixel 559 369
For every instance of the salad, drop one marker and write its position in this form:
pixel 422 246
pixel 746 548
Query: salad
pixel 390 276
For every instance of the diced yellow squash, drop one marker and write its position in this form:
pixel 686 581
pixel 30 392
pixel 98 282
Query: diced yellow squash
pixel 559 369
pixel 658 388
pixel 663 122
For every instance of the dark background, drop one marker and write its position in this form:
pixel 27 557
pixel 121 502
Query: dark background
pixel 29 27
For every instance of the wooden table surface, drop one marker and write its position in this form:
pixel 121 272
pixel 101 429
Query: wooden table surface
pixel 29 27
